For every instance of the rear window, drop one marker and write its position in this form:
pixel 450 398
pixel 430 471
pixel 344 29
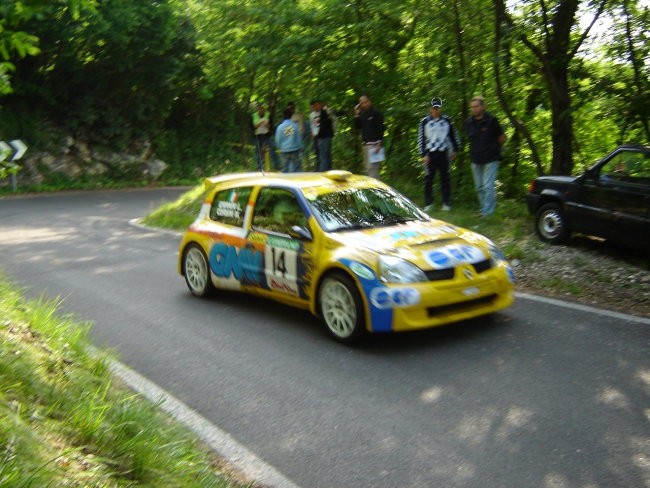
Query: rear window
pixel 229 206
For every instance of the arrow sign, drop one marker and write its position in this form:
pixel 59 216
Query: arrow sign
pixel 13 150
pixel 5 150
pixel 19 147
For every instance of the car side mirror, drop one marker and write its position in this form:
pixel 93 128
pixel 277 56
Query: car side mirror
pixel 300 232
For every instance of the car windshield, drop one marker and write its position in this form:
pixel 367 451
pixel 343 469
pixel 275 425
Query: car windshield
pixel 360 208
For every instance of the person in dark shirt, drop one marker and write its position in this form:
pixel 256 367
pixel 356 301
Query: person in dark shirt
pixel 370 122
pixel 323 131
pixel 485 140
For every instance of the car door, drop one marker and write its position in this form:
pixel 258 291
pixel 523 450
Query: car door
pixel 627 177
pixel 231 263
pixel 591 208
pixel 619 198
pixel 287 256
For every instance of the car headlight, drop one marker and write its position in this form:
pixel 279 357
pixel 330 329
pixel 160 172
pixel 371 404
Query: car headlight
pixel 496 253
pixel 398 270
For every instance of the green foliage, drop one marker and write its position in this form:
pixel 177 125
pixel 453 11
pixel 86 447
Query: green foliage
pixel 63 421
pixel 111 75
pixel 183 74
pixel 14 15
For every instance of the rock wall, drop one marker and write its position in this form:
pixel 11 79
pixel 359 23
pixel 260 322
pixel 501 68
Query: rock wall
pixel 76 160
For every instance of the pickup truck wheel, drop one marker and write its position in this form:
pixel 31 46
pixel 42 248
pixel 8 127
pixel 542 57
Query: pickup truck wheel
pixel 551 225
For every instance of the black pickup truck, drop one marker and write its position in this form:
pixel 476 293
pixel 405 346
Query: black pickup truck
pixel 610 200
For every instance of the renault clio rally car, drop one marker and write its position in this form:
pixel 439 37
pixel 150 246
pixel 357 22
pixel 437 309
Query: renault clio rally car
pixel 348 248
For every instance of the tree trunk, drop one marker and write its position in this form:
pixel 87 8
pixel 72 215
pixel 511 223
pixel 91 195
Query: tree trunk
pixel 562 121
pixel 637 66
pixel 502 52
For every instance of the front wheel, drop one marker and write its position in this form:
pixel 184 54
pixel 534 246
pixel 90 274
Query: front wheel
pixel 341 308
pixel 196 270
pixel 551 225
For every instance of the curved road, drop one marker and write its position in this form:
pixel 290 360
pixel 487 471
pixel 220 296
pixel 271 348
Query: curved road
pixel 543 396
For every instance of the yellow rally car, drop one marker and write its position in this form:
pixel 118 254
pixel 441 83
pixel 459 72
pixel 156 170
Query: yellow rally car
pixel 349 248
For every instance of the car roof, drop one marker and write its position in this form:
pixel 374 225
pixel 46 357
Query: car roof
pixel 333 178
pixel 634 146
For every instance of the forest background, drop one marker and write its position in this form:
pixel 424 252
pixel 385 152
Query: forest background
pixel 568 79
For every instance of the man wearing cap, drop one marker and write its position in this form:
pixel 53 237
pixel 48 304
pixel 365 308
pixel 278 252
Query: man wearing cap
pixel 485 140
pixel 437 138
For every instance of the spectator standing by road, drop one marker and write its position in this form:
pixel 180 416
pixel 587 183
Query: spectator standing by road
pixel 485 140
pixel 323 132
pixel 314 122
pixel 261 120
pixel 305 129
pixel 289 143
pixel 371 123
pixel 437 138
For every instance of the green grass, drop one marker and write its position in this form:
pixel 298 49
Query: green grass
pixel 65 422
pixel 562 285
pixel 179 214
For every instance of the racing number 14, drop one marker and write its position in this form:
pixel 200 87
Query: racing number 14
pixel 278 258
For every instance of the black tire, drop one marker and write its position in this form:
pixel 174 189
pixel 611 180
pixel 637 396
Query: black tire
pixel 341 308
pixel 551 225
pixel 196 270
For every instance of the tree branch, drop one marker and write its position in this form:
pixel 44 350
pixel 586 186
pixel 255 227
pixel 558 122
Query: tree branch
pixel 585 34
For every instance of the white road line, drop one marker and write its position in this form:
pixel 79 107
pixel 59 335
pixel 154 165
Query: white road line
pixel 243 460
pixel 584 308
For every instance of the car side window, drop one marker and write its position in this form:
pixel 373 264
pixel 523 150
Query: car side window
pixel 631 167
pixel 277 210
pixel 229 206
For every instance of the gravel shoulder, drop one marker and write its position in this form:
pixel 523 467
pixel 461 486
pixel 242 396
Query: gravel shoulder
pixel 587 271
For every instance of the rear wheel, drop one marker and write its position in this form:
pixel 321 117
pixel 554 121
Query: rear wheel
pixel 341 308
pixel 551 225
pixel 196 270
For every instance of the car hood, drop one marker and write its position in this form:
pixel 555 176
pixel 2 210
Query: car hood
pixel 556 179
pixel 416 241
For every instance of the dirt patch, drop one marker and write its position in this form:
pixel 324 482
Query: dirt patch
pixel 587 271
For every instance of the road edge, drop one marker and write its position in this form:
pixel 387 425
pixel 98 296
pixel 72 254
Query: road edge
pixel 583 308
pixel 250 465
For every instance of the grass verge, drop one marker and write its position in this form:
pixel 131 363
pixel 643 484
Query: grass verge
pixel 65 422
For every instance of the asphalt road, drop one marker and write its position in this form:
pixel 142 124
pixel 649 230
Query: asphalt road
pixel 542 396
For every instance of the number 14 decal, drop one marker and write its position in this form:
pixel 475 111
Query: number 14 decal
pixel 281 262
pixel 281 269
pixel 278 259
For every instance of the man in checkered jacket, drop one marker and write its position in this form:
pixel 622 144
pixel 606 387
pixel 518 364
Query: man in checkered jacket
pixel 437 138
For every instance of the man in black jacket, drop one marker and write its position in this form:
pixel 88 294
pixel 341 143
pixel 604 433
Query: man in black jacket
pixel 323 132
pixel 371 123
pixel 485 140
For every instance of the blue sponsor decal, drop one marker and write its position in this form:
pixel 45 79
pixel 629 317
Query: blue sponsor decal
pixel 381 318
pixel 247 265
pixel 380 298
pixel 406 234
pixel 385 298
pixel 439 259
pixel 453 255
